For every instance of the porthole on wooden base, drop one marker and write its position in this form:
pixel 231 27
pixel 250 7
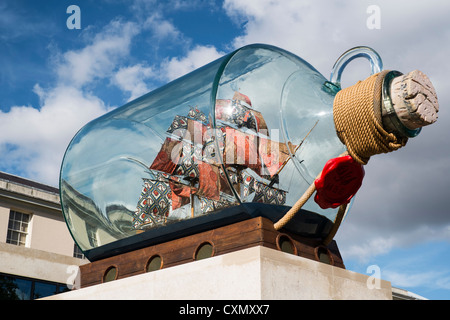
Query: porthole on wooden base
pixel 154 263
pixel 110 274
pixel 286 244
pixel 323 255
pixel 204 250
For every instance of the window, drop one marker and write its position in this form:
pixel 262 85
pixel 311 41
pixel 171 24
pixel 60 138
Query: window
pixel 77 253
pixel 13 288
pixel 110 274
pixel 154 263
pixel 205 250
pixel 323 255
pixel 17 228
pixel 21 288
pixel 285 244
pixel 44 289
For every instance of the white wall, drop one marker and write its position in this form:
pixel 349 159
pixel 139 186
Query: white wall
pixel 4 218
pixel 49 232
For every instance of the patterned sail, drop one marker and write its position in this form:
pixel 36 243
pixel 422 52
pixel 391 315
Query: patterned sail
pixel 191 179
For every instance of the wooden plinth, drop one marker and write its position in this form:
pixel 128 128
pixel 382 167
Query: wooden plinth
pixel 245 234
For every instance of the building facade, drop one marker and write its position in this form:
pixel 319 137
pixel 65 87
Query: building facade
pixel 38 256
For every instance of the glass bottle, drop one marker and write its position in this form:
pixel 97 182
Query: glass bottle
pixel 241 137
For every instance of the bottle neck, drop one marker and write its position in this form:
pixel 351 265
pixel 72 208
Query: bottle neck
pixel 391 122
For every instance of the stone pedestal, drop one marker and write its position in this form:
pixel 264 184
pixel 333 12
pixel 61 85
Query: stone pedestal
pixel 250 274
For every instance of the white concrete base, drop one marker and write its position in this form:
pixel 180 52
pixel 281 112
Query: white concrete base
pixel 250 274
pixel 37 264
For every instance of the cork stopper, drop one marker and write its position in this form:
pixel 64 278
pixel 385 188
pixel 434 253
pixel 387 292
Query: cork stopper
pixel 414 101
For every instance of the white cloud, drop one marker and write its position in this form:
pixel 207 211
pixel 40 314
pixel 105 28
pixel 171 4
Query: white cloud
pixel 98 59
pixel 430 279
pixel 307 28
pixel 363 249
pixel 377 234
pixel 195 58
pixel 39 137
pixel 162 28
pixel 35 138
pixel 132 80
pixel 320 31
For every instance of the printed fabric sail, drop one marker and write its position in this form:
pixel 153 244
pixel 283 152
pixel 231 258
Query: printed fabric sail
pixel 191 178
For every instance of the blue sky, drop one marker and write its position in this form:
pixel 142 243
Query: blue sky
pixel 54 80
